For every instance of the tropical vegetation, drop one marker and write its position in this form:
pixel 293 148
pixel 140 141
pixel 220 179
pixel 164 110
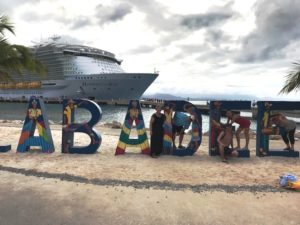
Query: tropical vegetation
pixel 292 82
pixel 14 59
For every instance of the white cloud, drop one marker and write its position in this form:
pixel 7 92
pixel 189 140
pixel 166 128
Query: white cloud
pixel 194 44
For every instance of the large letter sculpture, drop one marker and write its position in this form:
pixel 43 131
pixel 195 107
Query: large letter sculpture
pixel 36 117
pixel 216 110
pixel 194 117
pixel 70 127
pixel 134 114
pixel 264 127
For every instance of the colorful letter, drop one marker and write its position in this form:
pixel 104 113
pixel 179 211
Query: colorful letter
pixel 69 127
pixel 36 117
pixel 264 128
pixel 216 110
pixel 134 114
pixel 181 119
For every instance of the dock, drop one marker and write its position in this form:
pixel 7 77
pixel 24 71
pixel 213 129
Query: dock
pixel 146 103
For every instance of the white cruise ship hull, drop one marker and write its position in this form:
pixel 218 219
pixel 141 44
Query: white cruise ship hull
pixel 117 86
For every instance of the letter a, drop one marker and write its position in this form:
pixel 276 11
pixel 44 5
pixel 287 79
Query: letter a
pixel 36 117
pixel 134 114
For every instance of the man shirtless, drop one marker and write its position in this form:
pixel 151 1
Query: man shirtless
pixel 224 141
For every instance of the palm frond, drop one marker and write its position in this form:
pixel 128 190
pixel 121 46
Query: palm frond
pixel 6 25
pixel 15 59
pixel 292 82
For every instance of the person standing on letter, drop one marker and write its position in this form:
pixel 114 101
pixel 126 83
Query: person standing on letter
pixel 244 126
pixel 157 132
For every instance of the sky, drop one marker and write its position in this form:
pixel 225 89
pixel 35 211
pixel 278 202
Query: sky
pixel 200 48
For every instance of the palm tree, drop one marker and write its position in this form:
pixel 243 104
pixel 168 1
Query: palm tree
pixel 14 59
pixel 292 82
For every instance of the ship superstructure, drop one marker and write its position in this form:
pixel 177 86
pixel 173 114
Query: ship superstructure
pixel 77 71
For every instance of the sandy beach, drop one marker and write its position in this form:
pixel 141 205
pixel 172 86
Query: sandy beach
pixel 199 189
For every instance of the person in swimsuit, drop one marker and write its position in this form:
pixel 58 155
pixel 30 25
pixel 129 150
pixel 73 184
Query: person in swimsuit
pixel 244 126
pixel 287 129
pixel 224 141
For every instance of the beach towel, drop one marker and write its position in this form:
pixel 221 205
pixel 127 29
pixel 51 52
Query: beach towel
pixel 287 180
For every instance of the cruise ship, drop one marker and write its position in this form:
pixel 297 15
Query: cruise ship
pixel 77 71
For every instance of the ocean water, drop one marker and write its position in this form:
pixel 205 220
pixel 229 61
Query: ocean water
pixel 17 111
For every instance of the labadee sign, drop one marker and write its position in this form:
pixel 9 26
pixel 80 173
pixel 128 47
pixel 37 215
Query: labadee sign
pixel 36 118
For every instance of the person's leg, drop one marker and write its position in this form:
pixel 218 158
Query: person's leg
pixel 213 137
pixel 174 136
pixel 160 143
pixel 238 139
pixel 181 137
pixel 284 136
pixel 222 152
pixel 292 138
pixel 196 145
pixel 247 136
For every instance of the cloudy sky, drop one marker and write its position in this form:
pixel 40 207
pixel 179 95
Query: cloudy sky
pixel 227 47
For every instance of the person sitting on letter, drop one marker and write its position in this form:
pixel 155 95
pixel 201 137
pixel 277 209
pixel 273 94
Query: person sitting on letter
pixel 224 141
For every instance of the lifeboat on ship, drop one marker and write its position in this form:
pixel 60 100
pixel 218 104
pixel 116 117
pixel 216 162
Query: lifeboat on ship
pixel 34 85
pixel 21 85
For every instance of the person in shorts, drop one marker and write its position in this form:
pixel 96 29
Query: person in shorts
pixel 244 125
pixel 178 130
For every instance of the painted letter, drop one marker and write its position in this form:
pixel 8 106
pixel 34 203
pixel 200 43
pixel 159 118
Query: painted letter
pixel 36 117
pixel 69 127
pixel 134 114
